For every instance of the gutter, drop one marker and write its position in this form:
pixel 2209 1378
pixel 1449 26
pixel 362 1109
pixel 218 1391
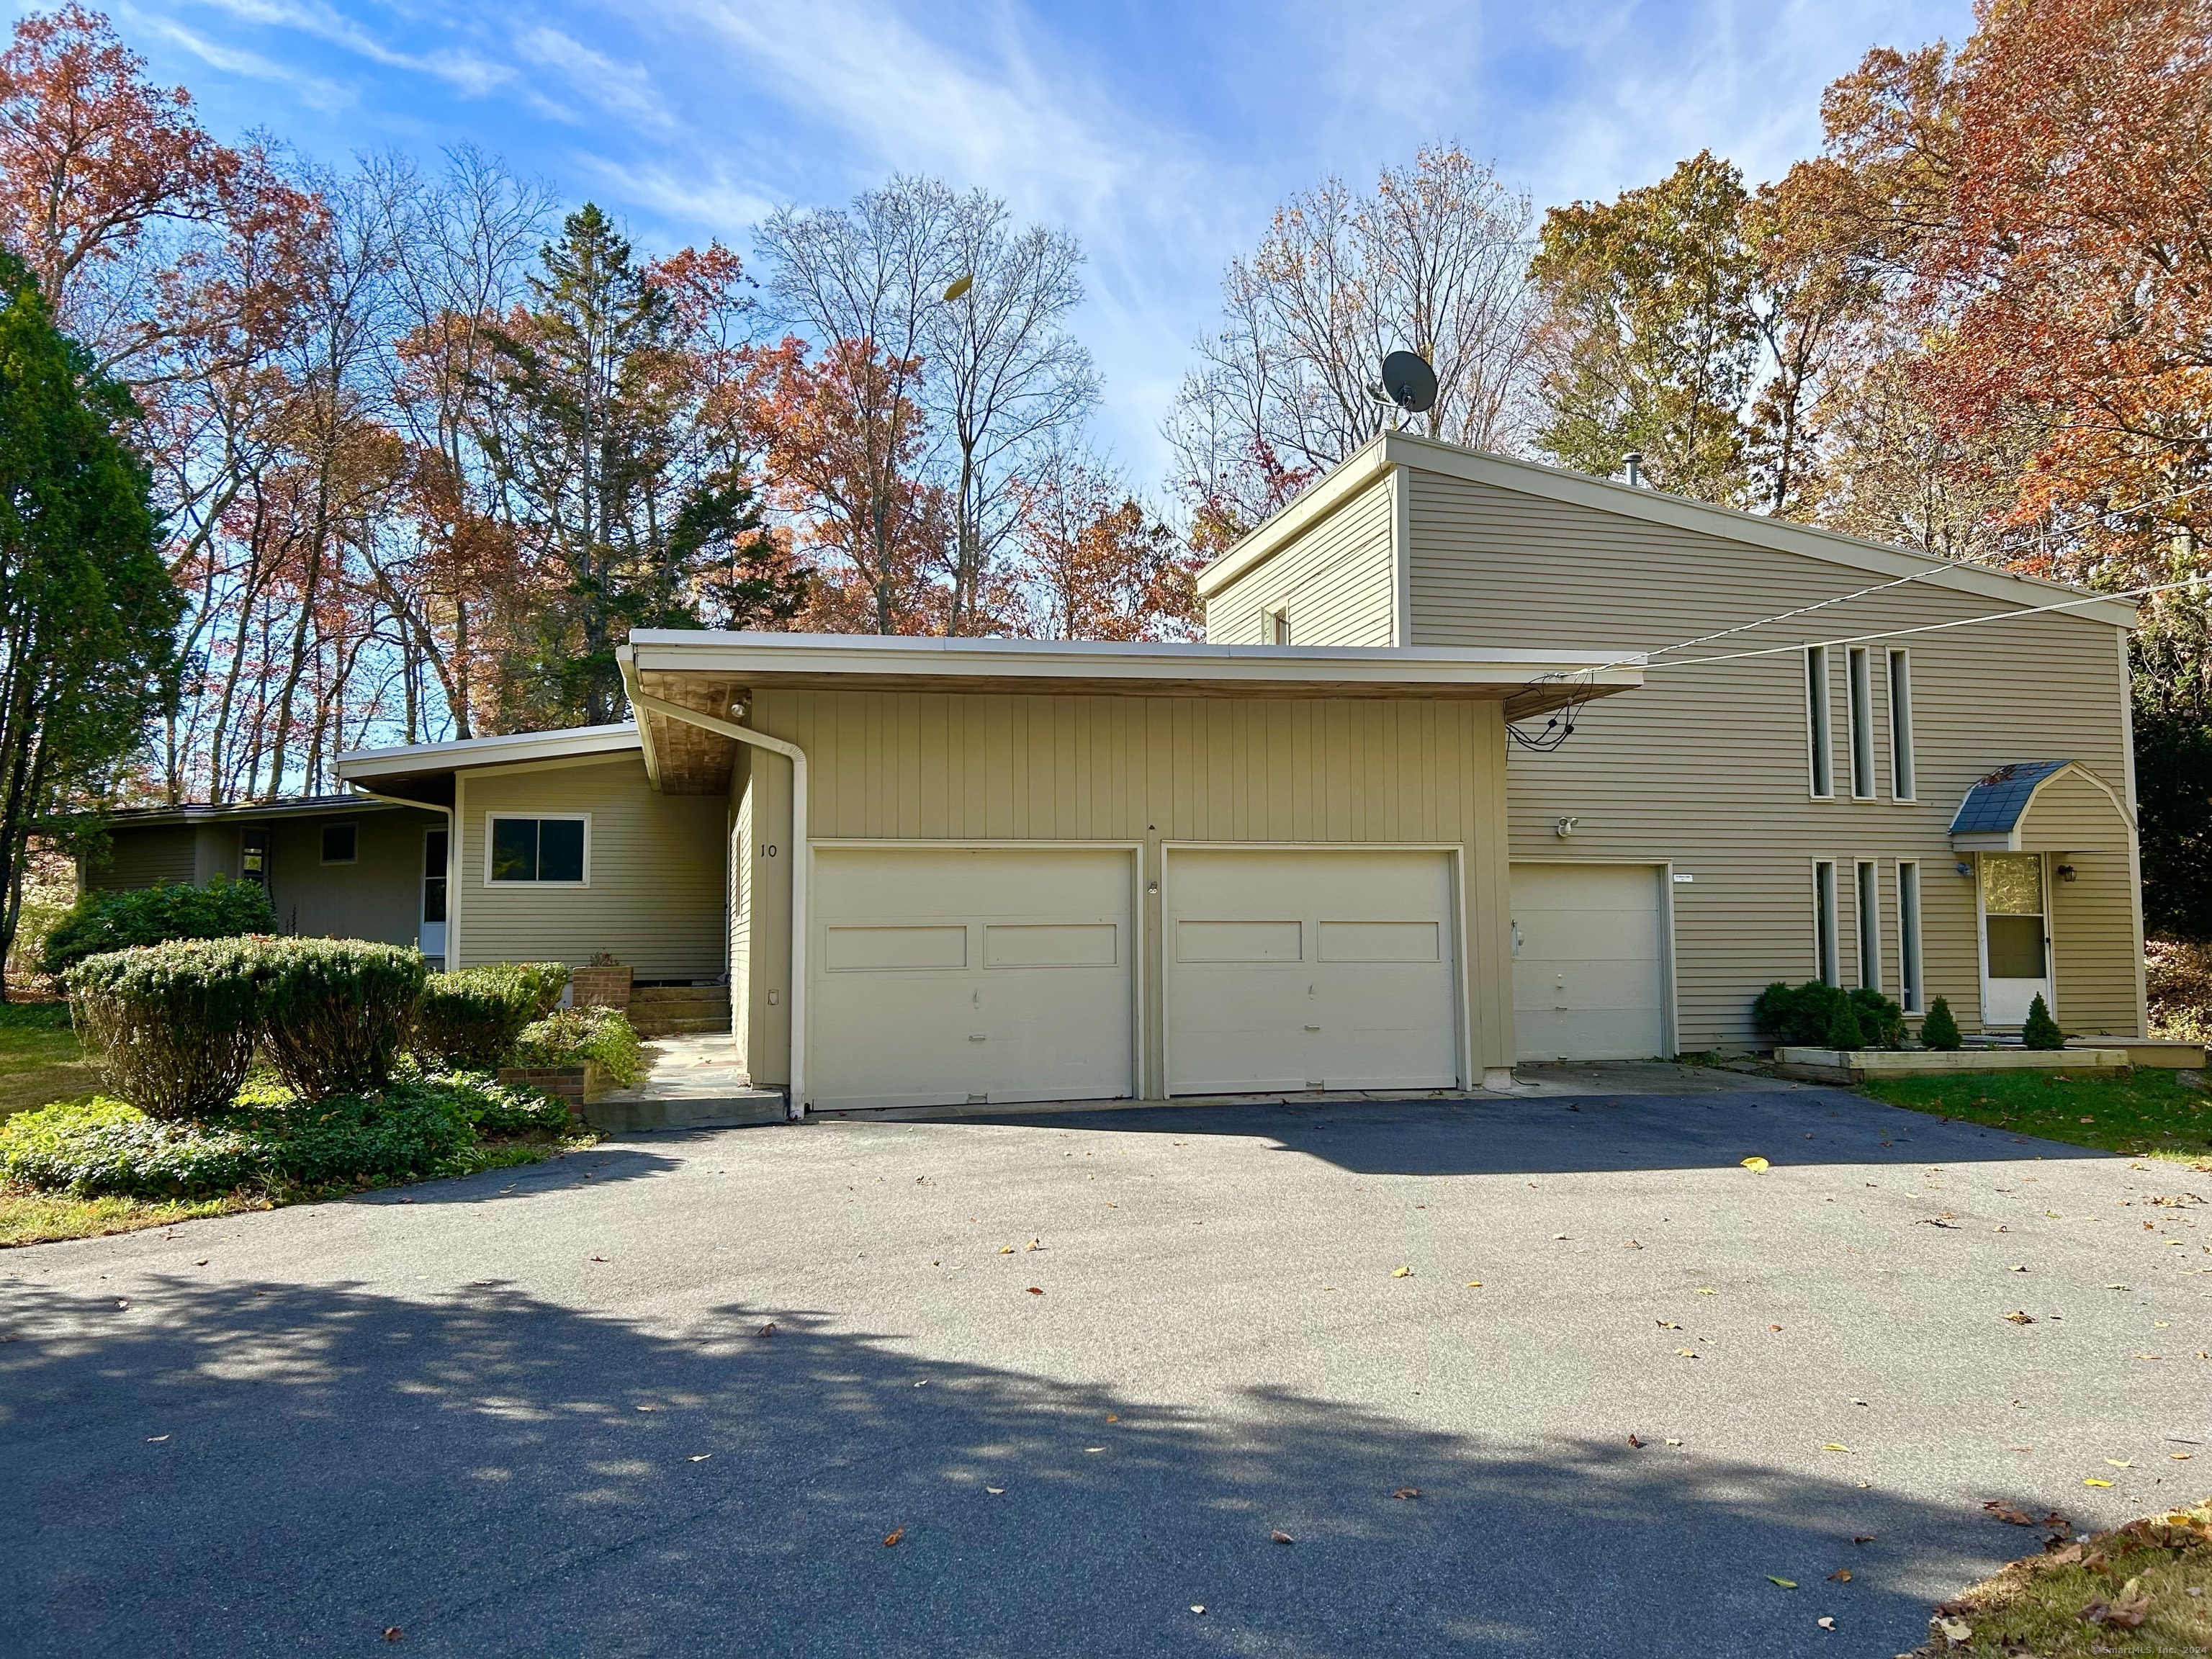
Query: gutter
pixel 795 1107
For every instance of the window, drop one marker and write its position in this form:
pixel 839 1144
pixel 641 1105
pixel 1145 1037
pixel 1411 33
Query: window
pixel 1816 720
pixel 544 849
pixel 253 858
pixel 433 875
pixel 1869 920
pixel 1861 675
pixel 1824 919
pixel 340 842
pixel 1901 784
pixel 1279 624
pixel 1908 937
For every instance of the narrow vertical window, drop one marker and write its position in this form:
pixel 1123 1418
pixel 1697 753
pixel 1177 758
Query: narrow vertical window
pixel 1824 919
pixel 1901 783
pixel 1816 719
pixel 1280 623
pixel 1908 937
pixel 1861 675
pixel 1870 923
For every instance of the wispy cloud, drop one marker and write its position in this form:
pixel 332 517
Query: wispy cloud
pixel 312 90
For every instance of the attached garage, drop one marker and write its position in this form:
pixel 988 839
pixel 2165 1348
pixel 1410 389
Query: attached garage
pixel 1311 967
pixel 961 974
pixel 1589 962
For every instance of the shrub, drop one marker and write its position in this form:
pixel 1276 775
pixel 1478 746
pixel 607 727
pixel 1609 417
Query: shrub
pixel 101 922
pixel 173 1024
pixel 1844 1031
pixel 2178 975
pixel 570 1037
pixel 2040 1030
pixel 105 1146
pixel 1940 1029
pixel 1881 1019
pixel 541 982
pixel 334 1012
pixel 1805 1016
pixel 470 1020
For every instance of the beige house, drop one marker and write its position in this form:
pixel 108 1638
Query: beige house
pixel 1314 852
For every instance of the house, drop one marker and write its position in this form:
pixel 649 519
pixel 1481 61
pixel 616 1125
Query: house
pixel 1481 762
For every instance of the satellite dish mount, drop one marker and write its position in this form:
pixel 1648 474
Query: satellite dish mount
pixel 1407 381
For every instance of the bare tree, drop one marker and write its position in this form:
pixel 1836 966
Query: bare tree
pixel 1433 261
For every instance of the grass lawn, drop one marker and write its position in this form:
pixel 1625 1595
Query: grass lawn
pixel 2144 1589
pixel 39 1059
pixel 2150 1113
pixel 32 1218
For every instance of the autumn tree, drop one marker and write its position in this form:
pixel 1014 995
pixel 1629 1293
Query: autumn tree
pixel 1431 261
pixel 1096 563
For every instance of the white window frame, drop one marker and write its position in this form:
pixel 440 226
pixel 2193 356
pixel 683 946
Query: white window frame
pixel 322 830
pixel 1912 992
pixel 1904 774
pixel 491 819
pixel 1858 696
pixel 1827 966
pixel 1866 900
pixel 1820 724
pixel 1279 625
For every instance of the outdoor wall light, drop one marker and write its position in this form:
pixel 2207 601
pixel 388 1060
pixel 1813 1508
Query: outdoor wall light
pixel 1963 867
pixel 2065 873
pixel 1566 827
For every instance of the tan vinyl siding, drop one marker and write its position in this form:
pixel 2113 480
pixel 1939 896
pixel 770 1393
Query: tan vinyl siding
pixel 1144 771
pixel 761 857
pixel 145 858
pixel 2071 814
pixel 656 871
pixel 378 896
pixel 2092 945
pixel 1707 766
pixel 1337 582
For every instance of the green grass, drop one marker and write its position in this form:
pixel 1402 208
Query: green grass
pixel 30 1218
pixel 2158 1571
pixel 2149 1113
pixel 39 1059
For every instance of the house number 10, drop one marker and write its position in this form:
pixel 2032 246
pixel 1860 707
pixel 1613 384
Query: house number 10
pixel 768 849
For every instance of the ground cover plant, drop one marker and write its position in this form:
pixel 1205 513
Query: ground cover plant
pixel 2150 1112
pixel 2141 1589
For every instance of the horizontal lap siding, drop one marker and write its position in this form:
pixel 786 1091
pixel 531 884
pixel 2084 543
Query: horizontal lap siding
pixel 657 868
pixel 2070 814
pixel 1706 766
pixel 1337 581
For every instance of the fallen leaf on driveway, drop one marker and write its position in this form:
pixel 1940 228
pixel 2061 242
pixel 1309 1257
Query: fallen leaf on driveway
pixel 1704 1289
pixel 768 1329
pixel 1840 1576
pixel 698 1457
pixel 599 1258
pixel 1198 1607
pixel 648 1408
pixel 1629 1244
pixel 156 1439
pixel 393 1634
pixel 1005 1249
pixel 1826 1624
pixel 1835 1445
pixel 1786 1583
pixel 1282 1538
pixel 1957 1630
pixel 2020 1316
pixel 1112 1418
pixel 1668 1325
pixel 1407 1491
pixel 1401 1272
pixel 2181 1457
pixel 1757 1166
pixel 996 1491
pixel 2116 1287
pixel 1036 1289
pixel 1558 1236
pixel 1474 1284
pixel 1687 1354
pixel 893 1536
pixel 2092 1481
pixel 1033 1245
pixel 202 1262
pixel 2120 1462
pixel 1633 1441
pixel 2006 1513
pixel 1673 1443
pixel 1862 1538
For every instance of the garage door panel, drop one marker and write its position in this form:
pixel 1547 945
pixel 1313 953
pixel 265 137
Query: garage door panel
pixel 1297 969
pixel 1589 978
pixel 950 974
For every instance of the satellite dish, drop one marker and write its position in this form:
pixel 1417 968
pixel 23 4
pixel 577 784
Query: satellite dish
pixel 1409 382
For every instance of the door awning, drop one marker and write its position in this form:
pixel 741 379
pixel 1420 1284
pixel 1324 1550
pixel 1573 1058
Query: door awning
pixel 2042 807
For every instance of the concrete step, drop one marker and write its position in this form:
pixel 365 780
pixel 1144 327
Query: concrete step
pixel 650 1026
pixel 739 1109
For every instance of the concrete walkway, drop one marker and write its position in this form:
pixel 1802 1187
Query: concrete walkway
pixel 691 1082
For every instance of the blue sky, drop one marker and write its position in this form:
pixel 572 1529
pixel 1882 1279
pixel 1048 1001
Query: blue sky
pixel 1162 133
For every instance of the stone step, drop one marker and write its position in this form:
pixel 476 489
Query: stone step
pixel 739 1109
pixel 679 1025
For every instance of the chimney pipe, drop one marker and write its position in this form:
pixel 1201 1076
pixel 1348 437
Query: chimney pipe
pixel 1635 462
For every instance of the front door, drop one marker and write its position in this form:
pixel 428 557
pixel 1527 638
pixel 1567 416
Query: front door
pixel 433 893
pixel 2015 937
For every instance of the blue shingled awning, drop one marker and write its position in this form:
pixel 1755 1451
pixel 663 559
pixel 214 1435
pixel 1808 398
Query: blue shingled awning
pixel 1993 807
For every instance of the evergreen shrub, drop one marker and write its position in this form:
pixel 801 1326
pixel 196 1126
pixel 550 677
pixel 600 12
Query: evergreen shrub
pixel 99 922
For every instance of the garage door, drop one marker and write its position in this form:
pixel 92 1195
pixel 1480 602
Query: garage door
pixel 951 974
pixel 1589 979
pixel 1298 969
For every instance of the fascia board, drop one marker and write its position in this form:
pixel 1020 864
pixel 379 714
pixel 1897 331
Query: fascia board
pixel 1779 535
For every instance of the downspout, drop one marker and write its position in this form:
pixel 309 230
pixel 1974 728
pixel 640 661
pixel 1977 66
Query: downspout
pixel 452 873
pixel 795 1108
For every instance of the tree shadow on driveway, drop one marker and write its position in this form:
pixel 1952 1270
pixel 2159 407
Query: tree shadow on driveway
pixel 1593 1134
pixel 228 1471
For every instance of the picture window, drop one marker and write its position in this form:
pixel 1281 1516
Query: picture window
pixel 546 850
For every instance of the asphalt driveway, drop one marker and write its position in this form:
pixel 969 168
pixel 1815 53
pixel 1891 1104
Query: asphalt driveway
pixel 534 1413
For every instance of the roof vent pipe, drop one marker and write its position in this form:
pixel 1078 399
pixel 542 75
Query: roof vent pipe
pixel 1634 461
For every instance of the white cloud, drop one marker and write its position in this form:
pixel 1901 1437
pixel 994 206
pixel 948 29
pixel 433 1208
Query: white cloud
pixel 312 90
pixel 617 87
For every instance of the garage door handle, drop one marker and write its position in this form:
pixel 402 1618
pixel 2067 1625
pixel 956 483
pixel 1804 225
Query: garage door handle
pixel 975 1036
pixel 1312 1027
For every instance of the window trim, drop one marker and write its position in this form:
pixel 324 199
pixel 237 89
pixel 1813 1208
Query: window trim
pixel 1904 769
pixel 485 876
pixel 323 845
pixel 1866 901
pixel 1279 625
pixel 1912 994
pixel 1858 697
pixel 1819 724
pixel 1828 944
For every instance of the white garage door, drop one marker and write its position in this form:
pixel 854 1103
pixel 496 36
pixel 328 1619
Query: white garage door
pixel 951 974
pixel 1298 969
pixel 1588 981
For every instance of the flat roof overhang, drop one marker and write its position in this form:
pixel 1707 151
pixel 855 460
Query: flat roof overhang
pixel 423 773
pixel 713 672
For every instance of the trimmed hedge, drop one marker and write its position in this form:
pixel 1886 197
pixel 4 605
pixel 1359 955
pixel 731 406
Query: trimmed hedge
pixel 570 1037
pixel 470 1020
pixel 334 1012
pixel 1814 1015
pixel 99 922
pixel 174 1025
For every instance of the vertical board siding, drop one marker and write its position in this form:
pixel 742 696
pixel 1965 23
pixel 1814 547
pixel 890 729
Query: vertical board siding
pixel 144 858
pixel 1339 581
pixel 378 896
pixel 657 865
pixel 1706 766
pixel 887 766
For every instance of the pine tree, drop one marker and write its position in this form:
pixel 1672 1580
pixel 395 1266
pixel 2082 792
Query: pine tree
pixel 1844 1031
pixel 2041 1031
pixel 1939 1030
